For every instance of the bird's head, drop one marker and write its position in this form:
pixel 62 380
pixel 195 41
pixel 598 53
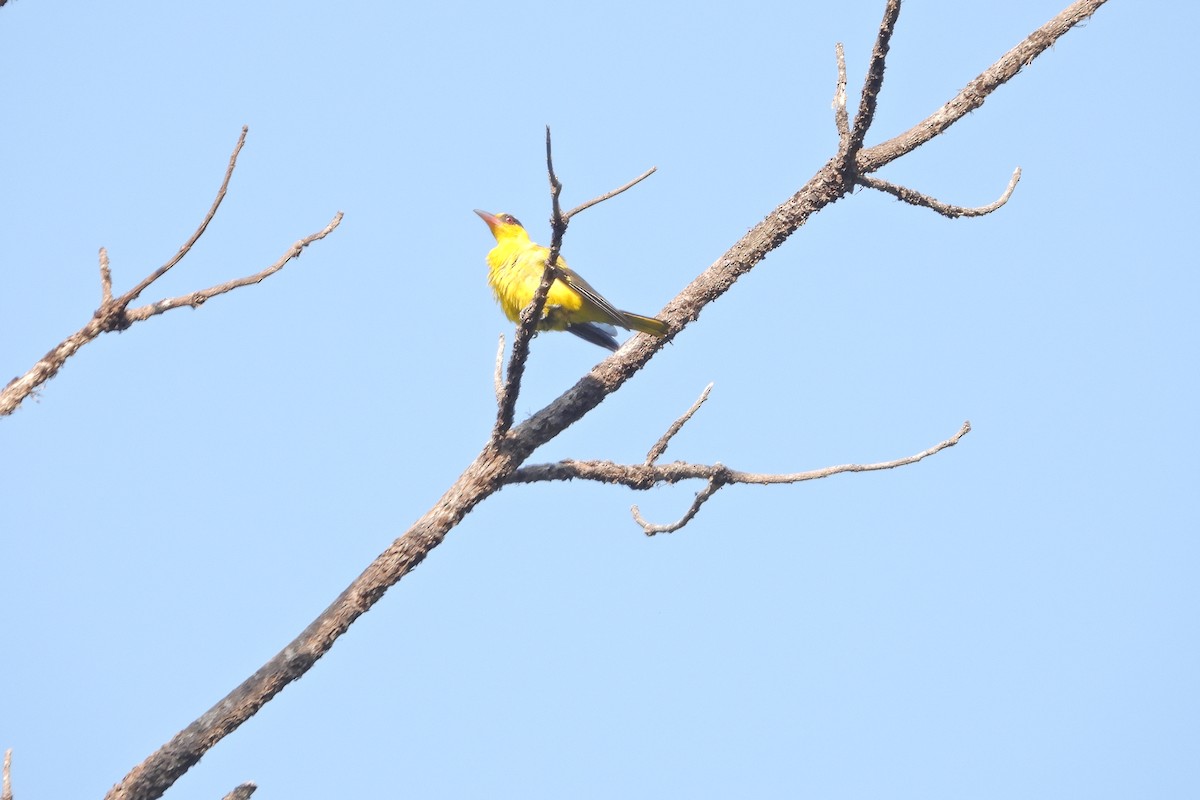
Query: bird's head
pixel 503 226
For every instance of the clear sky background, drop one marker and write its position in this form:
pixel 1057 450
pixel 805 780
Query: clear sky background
pixel 1013 618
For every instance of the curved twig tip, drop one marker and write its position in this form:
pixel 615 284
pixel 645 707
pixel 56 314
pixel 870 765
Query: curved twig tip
pixel 913 197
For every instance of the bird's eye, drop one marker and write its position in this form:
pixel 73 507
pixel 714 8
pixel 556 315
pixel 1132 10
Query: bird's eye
pixel 509 219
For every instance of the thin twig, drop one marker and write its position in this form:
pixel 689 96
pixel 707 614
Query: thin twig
pixel 133 293
pixel 873 82
pixel 650 528
pixel 840 118
pixel 558 223
pixel 506 397
pixel 242 792
pixel 660 446
pixel 105 278
pixel 925 201
pixel 532 313
pixel 6 779
pixel 610 195
pixel 498 374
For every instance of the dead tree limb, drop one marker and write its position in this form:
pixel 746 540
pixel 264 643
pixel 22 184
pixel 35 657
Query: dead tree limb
pixel 114 313
pixel 647 476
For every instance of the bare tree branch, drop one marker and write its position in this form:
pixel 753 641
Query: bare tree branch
pixel 114 314
pixel 873 83
pixel 105 279
pixel 133 293
pixel 197 299
pixel 498 372
pixel 526 330
pixel 242 792
pixel 946 210
pixel 977 91
pixel 660 446
pixel 647 476
pixel 702 496
pixel 840 118
pixel 6 779
pixel 502 456
pixel 532 313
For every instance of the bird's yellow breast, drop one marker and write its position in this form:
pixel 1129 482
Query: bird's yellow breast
pixel 515 270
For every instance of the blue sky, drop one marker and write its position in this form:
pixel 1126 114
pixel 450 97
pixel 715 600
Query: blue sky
pixel 1015 617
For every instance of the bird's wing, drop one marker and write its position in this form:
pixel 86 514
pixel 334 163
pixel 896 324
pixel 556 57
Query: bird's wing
pixel 571 278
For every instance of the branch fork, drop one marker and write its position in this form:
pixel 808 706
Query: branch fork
pixel 507 391
pixel 850 141
pixel 114 313
pixel 649 474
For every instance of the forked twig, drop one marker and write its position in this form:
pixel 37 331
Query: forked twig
pixel 719 475
pixel 133 293
pixel 199 298
pixel 532 313
pixel 114 313
pixel 648 475
pixel 973 95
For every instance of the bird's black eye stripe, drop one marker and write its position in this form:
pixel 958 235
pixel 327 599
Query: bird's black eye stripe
pixel 509 219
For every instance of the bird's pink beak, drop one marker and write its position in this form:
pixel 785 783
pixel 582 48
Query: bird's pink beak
pixel 491 219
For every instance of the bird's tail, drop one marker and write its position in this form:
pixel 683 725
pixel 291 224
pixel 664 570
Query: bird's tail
pixel 596 333
pixel 650 325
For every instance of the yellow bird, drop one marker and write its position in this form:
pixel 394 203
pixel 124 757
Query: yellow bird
pixel 515 267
